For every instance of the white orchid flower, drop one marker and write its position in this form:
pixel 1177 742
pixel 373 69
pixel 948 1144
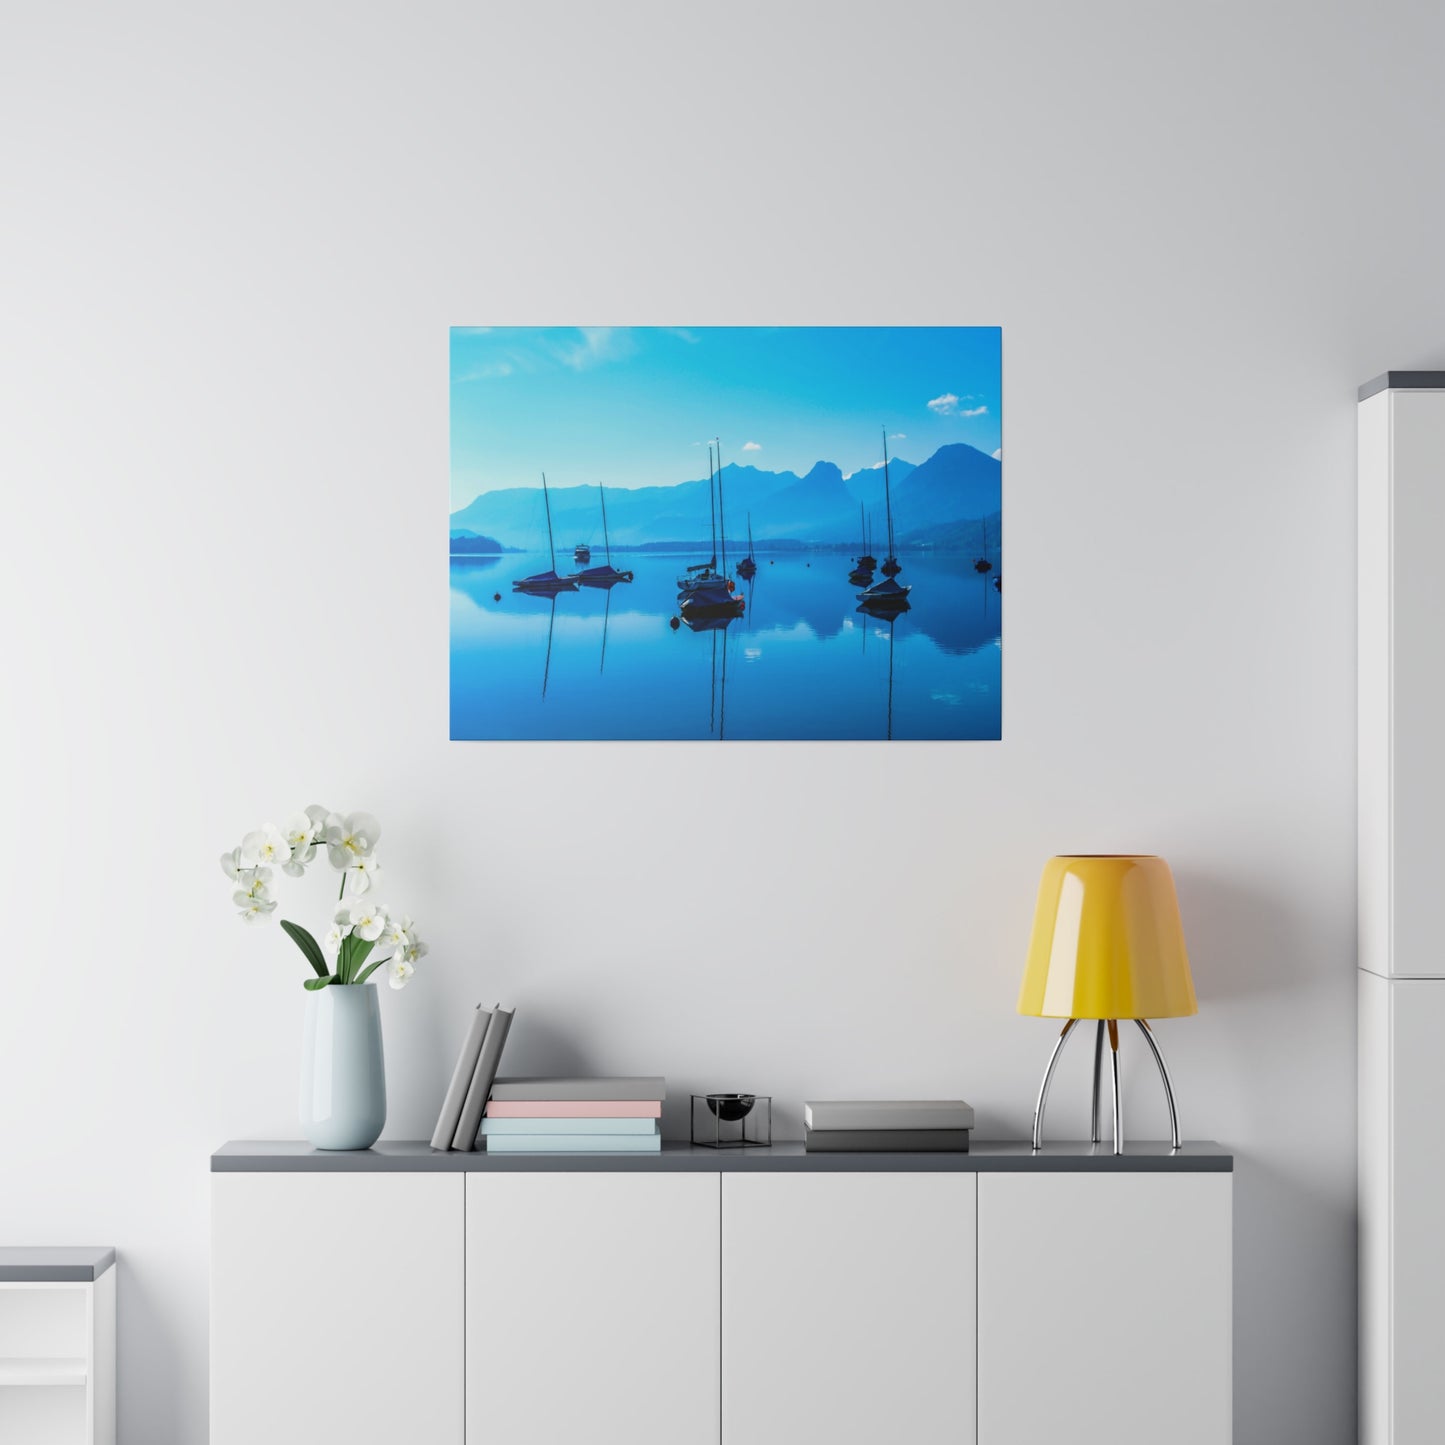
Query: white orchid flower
pixel 266 846
pixel 255 907
pixel 368 921
pixel 398 971
pixel 412 950
pixel 398 933
pixel 295 866
pixel 363 875
pixel 299 831
pixel 232 866
pixel 254 883
pixel 350 838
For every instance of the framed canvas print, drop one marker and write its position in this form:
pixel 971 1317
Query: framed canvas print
pixel 726 533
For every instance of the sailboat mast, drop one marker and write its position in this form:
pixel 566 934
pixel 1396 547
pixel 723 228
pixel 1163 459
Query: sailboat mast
pixel 721 523
pixel 887 492
pixel 602 492
pixel 712 502
pixel 547 502
pixel 862 530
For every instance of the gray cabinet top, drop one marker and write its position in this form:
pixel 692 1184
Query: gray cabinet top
pixel 50 1264
pixel 417 1157
pixel 1404 381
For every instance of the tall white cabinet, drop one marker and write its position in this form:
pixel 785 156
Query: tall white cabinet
pixel 1401 886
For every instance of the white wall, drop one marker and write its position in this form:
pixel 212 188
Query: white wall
pixel 232 243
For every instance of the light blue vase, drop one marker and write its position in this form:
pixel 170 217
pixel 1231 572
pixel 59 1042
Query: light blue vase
pixel 343 1078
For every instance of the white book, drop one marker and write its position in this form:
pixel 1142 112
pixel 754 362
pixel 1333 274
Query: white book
pixel 889 1114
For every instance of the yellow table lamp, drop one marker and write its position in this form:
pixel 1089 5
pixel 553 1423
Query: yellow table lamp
pixel 1107 944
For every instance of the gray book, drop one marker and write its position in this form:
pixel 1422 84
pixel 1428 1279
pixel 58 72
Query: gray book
pixel 451 1113
pixel 889 1114
pixel 516 1091
pixel 886 1141
pixel 482 1077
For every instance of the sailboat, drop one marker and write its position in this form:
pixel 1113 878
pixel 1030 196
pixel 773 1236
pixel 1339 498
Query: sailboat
pixel 867 562
pixel 712 591
pixel 891 565
pixel 607 576
pixel 582 552
pixel 546 582
pixel 862 573
pixel 702 573
pixel 747 567
pixel 981 562
pixel 889 595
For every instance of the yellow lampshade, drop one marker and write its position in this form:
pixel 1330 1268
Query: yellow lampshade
pixel 1107 942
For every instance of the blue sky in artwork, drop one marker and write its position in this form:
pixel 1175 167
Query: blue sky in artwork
pixel 636 406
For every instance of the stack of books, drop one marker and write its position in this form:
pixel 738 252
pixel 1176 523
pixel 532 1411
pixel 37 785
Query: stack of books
pixel 575 1116
pixel 882 1125
pixel 461 1114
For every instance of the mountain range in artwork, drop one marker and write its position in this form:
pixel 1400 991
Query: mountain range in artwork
pixel 932 504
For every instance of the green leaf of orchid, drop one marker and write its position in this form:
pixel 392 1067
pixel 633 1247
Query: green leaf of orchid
pixel 308 946
pixel 314 983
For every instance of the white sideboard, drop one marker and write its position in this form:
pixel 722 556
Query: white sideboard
pixel 1401 481
pixel 700 1297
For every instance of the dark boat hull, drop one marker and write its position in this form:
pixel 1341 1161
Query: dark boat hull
pixel 543 583
pixel 602 576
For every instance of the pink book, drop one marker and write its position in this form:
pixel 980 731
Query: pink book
pixel 575 1109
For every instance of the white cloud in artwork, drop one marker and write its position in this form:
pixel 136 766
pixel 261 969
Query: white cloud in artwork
pixel 597 344
pixel 998 454
pixel 974 411
pixel 682 334
pixel 752 447
pixel 898 436
pixel 490 371
pixel 944 405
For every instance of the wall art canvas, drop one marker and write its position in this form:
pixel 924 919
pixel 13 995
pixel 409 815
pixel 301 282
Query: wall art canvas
pixel 726 533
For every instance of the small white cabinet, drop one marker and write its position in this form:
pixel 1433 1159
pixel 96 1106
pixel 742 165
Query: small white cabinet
pixel 336 1308
pixel 57 1347
pixel 1104 1308
pixel 848 1308
pixel 592 1309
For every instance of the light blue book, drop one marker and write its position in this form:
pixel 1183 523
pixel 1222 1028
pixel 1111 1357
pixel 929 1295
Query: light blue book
pixel 574 1144
pixel 494 1127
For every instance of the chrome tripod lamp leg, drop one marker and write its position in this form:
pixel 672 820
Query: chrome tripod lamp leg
pixel 1094 1134
pixel 1118 1097
pixel 1063 1038
pixel 1164 1075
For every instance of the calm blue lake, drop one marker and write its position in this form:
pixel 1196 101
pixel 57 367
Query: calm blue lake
pixel 801 662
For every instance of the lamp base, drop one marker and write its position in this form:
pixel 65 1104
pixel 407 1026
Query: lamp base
pixel 1095 1134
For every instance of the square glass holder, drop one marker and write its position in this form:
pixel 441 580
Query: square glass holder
pixel 732 1121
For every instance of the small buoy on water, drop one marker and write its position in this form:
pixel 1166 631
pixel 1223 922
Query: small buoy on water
pixel 674 624
pixel 496 596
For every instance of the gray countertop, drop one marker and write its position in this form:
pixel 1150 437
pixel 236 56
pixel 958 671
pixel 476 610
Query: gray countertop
pixel 49 1264
pixel 282 1156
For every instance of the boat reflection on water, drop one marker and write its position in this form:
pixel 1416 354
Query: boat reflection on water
pixel 888 613
pixel 715 621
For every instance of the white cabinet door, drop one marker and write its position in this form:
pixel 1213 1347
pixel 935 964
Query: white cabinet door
pixel 1417 604
pixel 336 1309
pixel 1104 1309
pixel 1416 1159
pixel 592 1309
pixel 848 1309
